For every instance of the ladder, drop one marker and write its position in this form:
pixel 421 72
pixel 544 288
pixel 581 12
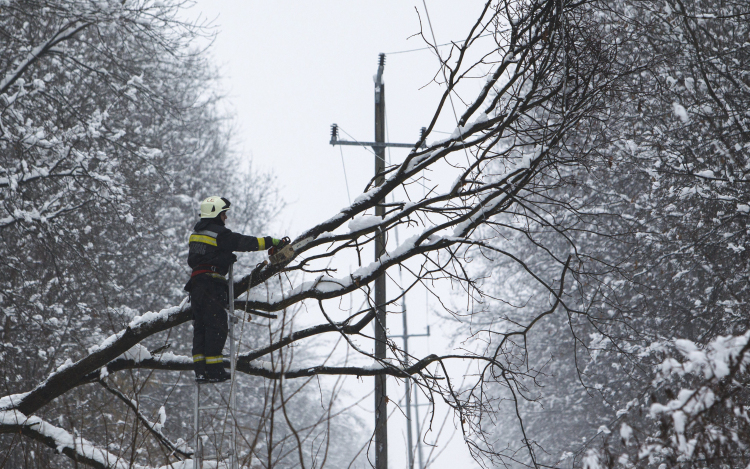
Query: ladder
pixel 229 405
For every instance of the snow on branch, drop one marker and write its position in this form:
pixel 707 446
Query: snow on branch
pixel 75 447
pixel 247 364
pixel 63 34
pixel 703 416
pixel 70 374
pixel 267 370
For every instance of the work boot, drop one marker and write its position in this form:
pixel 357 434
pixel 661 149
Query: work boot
pixel 199 367
pixel 218 376
pixel 216 373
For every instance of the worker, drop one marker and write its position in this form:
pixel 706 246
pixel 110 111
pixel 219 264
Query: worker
pixel 210 255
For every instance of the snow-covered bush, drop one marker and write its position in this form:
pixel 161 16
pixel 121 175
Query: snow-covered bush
pixel 695 413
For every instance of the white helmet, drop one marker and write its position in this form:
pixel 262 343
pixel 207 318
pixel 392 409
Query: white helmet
pixel 213 206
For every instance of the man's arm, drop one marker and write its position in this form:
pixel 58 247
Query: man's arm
pixel 236 242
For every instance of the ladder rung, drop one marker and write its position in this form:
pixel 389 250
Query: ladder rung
pixel 217 457
pixel 213 407
pixel 226 432
pixel 229 381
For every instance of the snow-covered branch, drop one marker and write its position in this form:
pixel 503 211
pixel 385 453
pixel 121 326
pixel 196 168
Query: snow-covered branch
pixel 70 374
pixel 73 446
pixel 60 440
pixel 268 370
pixel 63 34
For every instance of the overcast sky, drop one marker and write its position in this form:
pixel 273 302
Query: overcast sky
pixel 290 70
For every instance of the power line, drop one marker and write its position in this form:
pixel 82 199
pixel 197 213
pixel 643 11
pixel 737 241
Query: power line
pixel 429 22
pixel 357 141
pixel 439 45
pixel 450 93
pixel 346 180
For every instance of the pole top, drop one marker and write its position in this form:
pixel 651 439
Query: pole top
pixel 379 78
pixel 381 66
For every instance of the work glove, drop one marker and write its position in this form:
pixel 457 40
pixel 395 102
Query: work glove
pixel 278 244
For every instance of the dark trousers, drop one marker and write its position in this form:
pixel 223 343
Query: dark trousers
pixel 208 298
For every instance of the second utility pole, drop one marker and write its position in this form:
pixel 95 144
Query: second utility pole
pixel 381 398
pixel 378 146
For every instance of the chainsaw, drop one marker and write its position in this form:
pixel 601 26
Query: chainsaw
pixel 283 253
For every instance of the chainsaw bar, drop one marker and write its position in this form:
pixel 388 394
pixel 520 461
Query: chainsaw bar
pixel 286 253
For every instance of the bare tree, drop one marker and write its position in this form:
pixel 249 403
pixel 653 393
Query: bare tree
pixel 549 71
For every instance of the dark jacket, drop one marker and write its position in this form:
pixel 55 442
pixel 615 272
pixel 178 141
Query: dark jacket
pixel 212 244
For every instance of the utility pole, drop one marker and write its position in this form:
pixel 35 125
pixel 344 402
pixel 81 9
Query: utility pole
pixel 405 336
pixel 381 396
pixel 378 146
pixel 419 430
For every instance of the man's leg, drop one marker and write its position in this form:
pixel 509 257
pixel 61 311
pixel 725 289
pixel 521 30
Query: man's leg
pixel 199 302
pixel 216 328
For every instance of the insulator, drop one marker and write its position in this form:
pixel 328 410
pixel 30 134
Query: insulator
pixel 382 60
pixel 334 133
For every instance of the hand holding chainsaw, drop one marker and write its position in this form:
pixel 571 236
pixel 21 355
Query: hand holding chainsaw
pixel 281 251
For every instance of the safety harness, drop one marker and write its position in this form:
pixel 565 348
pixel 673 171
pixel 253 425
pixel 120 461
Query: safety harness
pixel 207 269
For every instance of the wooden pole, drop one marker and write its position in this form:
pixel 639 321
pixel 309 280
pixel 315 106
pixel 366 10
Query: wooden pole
pixel 381 398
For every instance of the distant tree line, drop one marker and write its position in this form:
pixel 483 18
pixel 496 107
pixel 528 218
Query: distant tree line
pixel 110 134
